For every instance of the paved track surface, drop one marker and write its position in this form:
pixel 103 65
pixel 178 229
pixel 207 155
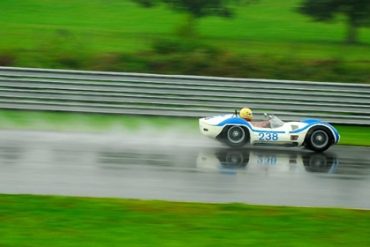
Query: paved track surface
pixel 152 165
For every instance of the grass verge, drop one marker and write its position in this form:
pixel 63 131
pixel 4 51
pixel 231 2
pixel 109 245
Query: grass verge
pixel 56 121
pixel 70 221
pixel 354 135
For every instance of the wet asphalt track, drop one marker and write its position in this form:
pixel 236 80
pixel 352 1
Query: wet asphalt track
pixel 181 168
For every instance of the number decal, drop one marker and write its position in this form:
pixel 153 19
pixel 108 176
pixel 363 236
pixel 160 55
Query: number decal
pixel 268 136
pixel 261 136
pixel 275 137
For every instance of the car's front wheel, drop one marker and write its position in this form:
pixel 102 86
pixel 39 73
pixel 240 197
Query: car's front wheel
pixel 319 139
pixel 236 136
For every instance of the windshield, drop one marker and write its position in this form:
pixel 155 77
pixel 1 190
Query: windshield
pixel 275 122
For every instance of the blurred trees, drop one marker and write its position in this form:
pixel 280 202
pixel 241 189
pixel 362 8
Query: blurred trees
pixel 196 9
pixel 357 13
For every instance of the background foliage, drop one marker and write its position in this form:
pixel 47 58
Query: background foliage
pixel 264 39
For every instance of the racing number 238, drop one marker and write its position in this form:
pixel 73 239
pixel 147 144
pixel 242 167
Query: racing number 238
pixel 268 136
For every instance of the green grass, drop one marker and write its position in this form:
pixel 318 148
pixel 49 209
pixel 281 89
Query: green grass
pixel 34 28
pixel 57 121
pixel 354 135
pixel 70 221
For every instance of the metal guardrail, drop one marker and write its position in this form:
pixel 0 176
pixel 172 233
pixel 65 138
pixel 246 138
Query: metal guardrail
pixel 190 96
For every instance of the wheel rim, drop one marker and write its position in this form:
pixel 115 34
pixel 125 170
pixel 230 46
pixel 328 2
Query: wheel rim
pixel 319 138
pixel 236 134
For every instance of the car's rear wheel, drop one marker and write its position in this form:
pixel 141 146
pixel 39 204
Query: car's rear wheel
pixel 236 136
pixel 319 139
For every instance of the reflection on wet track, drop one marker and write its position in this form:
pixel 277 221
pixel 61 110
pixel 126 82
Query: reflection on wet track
pixel 111 166
pixel 268 160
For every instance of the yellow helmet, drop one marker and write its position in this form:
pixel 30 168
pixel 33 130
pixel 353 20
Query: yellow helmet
pixel 246 113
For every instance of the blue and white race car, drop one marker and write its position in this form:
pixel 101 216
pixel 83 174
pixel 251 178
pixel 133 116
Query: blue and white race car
pixel 235 131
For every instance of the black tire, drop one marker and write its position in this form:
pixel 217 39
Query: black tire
pixel 319 139
pixel 235 136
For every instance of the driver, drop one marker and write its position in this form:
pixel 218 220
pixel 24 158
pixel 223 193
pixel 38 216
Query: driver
pixel 247 114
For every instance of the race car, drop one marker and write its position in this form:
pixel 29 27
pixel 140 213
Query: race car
pixel 235 131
